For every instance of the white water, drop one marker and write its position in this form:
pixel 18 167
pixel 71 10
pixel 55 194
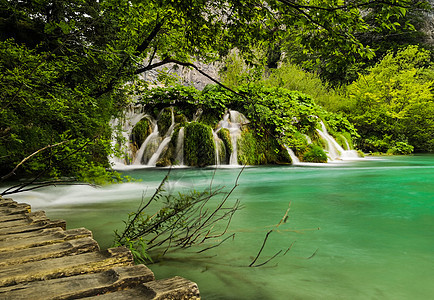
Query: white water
pixel 180 147
pixel 154 158
pixel 294 158
pixel 333 149
pixel 217 143
pixel 233 121
pixel 150 138
pixel 132 116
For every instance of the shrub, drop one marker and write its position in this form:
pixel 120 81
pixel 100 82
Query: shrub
pixel 315 154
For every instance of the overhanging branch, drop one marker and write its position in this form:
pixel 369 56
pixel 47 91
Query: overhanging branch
pixel 169 60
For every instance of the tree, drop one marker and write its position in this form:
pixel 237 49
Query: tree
pixel 68 66
pixel 393 105
pixel 390 25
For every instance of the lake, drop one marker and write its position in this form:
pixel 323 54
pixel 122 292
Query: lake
pixel 359 229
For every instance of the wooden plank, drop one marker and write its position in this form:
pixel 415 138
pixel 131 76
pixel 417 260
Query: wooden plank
pixel 18 208
pixel 7 218
pixel 38 218
pixel 6 201
pixel 41 237
pixel 175 288
pixel 33 227
pixel 66 266
pixel 72 247
pixel 80 286
pixel 172 288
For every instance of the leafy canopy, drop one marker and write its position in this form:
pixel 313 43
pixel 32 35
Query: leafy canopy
pixel 68 66
pixel 393 105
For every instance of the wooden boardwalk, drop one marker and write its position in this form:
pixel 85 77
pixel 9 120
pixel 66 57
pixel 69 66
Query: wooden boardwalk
pixel 40 259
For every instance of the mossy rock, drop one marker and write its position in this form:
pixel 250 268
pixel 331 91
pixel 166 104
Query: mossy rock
pixel 180 119
pixel 225 136
pixel 260 150
pixel 315 154
pixel 199 147
pixel 343 138
pixel 140 132
pixel 164 120
pixel 223 155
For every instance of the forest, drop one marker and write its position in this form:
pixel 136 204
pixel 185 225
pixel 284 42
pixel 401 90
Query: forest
pixel 69 68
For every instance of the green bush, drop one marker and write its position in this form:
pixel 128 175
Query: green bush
pixel 394 103
pixel 140 131
pixel 199 147
pixel 225 136
pixel 315 154
pixel 401 148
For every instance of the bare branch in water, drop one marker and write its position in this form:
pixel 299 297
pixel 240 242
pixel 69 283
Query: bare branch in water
pixel 183 221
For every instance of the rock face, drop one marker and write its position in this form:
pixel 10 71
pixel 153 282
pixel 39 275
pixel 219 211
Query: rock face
pixel 39 259
pixel 185 75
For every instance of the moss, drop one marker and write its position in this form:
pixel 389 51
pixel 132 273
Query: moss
pixel 225 136
pixel 255 150
pixel 315 154
pixel 317 139
pixel 140 132
pixel 343 138
pixel 199 147
pixel 164 120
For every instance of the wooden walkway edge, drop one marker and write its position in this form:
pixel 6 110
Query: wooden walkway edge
pixel 40 259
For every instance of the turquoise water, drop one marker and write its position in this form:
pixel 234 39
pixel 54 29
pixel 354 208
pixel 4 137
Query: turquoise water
pixel 375 218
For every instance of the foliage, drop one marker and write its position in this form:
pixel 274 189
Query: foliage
pixel 393 104
pixel 293 77
pixel 199 147
pixel 315 154
pixel 34 115
pixel 380 28
pixel 140 131
pixel 68 66
pixel 260 150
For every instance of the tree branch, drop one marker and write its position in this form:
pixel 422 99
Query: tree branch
pixel 28 157
pixel 169 60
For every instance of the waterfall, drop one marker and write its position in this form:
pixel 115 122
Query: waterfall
pixel 233 159
pixel 232 121
pixel 294 158
pixel 217 143
pixel 154 158
pixel 334 150
pixel 150 139
pixel 180 147
pixel 124 126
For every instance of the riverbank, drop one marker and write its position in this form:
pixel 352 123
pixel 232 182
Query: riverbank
pixel 40 259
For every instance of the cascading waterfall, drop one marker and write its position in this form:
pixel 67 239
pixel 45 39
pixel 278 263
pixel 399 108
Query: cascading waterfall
pixel 217 142
pixel 125 125
pixel 154 158
pixel 232 121
pixel 334 150
pixel 157 146
pixel 180 147
pixel 150 139
pixel 294 158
